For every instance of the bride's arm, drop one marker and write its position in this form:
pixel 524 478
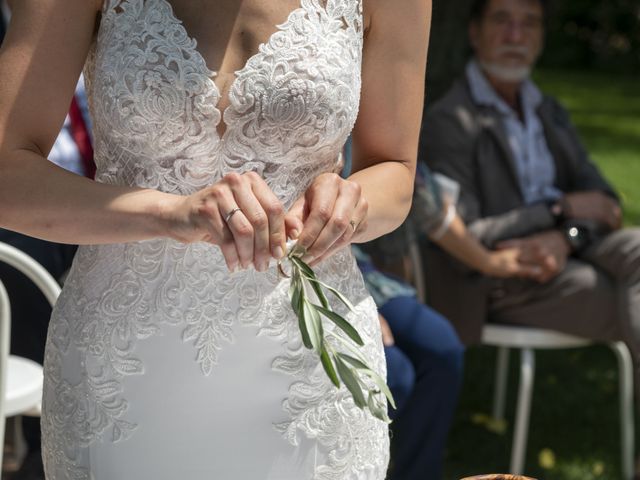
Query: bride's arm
pixel 40 62
pixel 376 198
pixel 385 137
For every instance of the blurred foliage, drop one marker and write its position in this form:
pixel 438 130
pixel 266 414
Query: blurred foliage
pixel 599 34
pixel 606 108
pixel 581 34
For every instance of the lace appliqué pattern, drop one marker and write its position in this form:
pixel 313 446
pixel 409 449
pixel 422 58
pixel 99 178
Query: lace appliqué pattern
pixel 154 106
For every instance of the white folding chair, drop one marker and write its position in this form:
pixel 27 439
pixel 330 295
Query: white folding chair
pixel 528 340
pixel 20 379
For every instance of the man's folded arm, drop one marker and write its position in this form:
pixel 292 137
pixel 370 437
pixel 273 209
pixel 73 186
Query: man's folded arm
pixel 447 146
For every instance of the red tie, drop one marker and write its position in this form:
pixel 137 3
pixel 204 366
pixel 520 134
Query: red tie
pixel 81 136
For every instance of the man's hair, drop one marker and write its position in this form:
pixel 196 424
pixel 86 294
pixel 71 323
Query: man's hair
pixel 479 7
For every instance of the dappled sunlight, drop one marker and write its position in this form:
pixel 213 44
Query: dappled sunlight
pixel 605 109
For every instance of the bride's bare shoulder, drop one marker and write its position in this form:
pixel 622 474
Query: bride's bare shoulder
pixel 377 11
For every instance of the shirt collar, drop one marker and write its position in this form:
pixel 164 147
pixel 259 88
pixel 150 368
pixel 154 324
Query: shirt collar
pixel 483 93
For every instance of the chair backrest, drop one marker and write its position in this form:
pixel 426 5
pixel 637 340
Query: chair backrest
pixel 49 287
pixel 418 274
pixel 32 269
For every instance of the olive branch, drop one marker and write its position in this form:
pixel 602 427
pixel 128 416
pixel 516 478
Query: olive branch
pixel 350 368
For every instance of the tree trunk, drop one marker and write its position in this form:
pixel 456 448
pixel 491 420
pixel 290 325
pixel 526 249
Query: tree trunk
pixel 448 47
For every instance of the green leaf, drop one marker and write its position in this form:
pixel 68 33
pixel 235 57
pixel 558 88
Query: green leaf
pixel 377 409
pixel 306 269
pixel 320 294
pixel 329 368
pixel 295 292
pixel 338 295
pixel 304 332
pixel 351 382
pixel 381 384
pixel 354 361
pixel 312 279
pixel 313 324
pixel 342 323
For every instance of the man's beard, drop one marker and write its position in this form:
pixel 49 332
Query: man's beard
pixel 507 73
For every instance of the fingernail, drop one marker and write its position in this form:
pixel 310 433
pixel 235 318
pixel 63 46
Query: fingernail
pixel 294 234
pixel 278 253
pixel 308 259
pixel 232 267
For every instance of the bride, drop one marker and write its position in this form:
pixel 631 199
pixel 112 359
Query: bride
pixel 173 351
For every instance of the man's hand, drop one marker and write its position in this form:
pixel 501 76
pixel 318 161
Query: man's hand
pixel 593 205
pixel 547 250
pixel 387 336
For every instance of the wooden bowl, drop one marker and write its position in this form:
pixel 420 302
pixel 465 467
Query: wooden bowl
pixel 498 477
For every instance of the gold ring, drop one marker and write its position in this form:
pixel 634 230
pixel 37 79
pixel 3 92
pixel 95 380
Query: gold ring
pixel 231 214
pixel 354 225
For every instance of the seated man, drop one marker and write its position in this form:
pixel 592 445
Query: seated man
pixel 527 182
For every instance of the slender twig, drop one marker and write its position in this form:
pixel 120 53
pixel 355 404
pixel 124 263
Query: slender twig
pixel 351 369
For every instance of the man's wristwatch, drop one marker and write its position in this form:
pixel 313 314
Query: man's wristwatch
pixel 578 236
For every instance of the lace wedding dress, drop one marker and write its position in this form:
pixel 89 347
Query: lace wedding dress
pixel 160 364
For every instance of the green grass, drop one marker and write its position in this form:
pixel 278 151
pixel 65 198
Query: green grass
pixel 574 430
pixel 606 110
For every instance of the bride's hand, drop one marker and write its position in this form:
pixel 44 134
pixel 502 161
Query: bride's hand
pixel 240 214
pixel 329 216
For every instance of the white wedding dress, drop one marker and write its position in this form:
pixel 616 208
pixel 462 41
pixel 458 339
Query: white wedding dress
pixel 160 364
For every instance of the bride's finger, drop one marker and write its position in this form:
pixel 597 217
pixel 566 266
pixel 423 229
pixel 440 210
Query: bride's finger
pixel 258 220
pixel 219 233
pixel 229 251
pixel 274 234
pixel 357 224
pixel 341 225
pixel 320 198
pixel 294 219
pixel 239 226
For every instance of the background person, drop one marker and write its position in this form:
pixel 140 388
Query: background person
pixel 527 182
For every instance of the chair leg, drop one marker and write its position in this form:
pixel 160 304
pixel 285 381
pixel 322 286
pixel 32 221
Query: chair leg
pixel 525 391
pixel 625 374
pixel 2 427
pixel 14 436
pixel 500 387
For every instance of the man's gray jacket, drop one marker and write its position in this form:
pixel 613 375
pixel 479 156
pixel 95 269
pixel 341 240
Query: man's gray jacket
pixel 468 143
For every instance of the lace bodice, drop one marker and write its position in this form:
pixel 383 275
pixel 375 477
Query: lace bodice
pixel 155 104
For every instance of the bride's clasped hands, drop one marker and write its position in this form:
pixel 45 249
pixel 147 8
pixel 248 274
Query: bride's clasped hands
pixel 242 215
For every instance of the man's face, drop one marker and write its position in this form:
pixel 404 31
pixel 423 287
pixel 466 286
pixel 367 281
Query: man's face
pixel 507 40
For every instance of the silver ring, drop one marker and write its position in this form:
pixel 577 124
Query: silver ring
pixel 231 214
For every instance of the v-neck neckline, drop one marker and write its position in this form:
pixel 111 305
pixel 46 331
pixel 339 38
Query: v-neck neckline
pixel 212 74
